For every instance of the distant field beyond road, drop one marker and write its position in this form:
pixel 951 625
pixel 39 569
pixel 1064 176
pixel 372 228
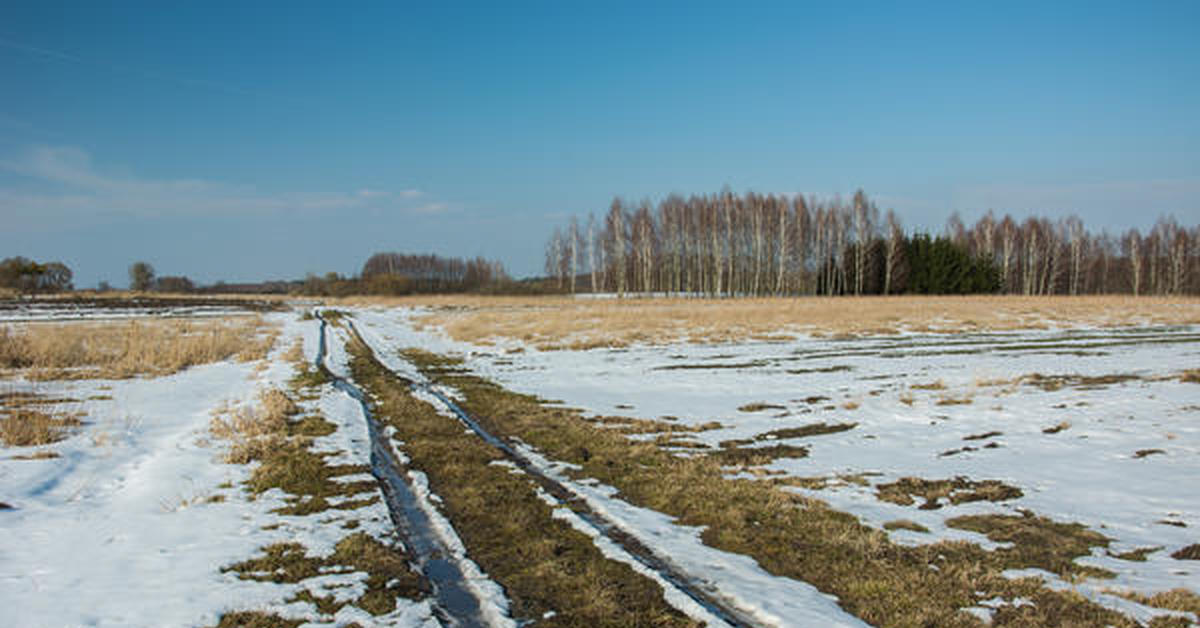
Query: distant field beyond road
pixel 586 322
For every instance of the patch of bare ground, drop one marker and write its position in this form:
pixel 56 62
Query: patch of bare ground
pixel 279 437
pixel 744 452
pixel 23 427
pixel 884 583
pixel 509 530
pixel 1135 555
pixel 938 493
pixel 256 619
pixel 557 322
pixel 1054 429
pixel 1181 600
pixel 759 406
pixel 1039 541
pixel 905 524
pixel 1191 552
pixel 1051 383
pixel 389 575
pixel 629 425
pixel 119 350
pixel 28 419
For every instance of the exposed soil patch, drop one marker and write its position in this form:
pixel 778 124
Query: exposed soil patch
pixel 1038 542
pixel 629 425
pixel 542 562
pixel 1181 600
pixel 256 619
pixel 813 429
pixel 1051 383
pixel 827 369
pixel 704 367
pixel 905 524
pixel 938 493
pixel 885 584
pixel 740 456
pixel 387 567
pixel 140 303
pixel 1191 552
pixel 1142 453
pixel 1054 429
pixel 984 436
pixel 759 406
pixel 1135 555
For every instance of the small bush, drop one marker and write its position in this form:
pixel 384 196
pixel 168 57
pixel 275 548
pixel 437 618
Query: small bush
pixel 29 428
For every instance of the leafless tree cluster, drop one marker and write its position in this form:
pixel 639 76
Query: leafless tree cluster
pixel 432 273
pixel 727 244
pixel 753 245
pixel 1042 256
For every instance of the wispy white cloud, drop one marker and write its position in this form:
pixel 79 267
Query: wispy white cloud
pixel 51 183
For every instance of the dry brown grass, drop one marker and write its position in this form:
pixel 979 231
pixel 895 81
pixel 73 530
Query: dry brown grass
pixel 559 322
pixel 29 419
pixel 542 562
pixel 29 428
pixel 254 432
pixel 1181 600
pixel 128 349
pixel 884 583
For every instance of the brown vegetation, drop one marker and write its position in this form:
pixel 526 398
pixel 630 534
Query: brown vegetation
pixel 27 428
pixel 955 491
pixel 789 535
pixel 562 323
pixel 541 561
pixel 127 349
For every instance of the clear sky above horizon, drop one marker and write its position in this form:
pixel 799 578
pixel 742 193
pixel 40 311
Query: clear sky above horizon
pixel 247 141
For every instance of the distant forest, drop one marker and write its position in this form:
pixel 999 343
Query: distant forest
pixel 755 245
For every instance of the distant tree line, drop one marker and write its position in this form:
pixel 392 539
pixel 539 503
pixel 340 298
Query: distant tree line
pixel 753 245
pixel 397 274
pixel 26 276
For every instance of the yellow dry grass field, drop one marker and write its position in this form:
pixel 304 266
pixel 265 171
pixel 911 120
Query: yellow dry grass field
pixel 118 350
pixel 558 322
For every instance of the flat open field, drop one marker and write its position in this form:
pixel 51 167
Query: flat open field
pixel 553 322
pixel 561 462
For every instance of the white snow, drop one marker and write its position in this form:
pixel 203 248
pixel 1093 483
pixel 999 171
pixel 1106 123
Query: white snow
pixel 1087 473
pixel 121 530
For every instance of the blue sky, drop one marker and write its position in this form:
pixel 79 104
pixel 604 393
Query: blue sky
pixel 243 141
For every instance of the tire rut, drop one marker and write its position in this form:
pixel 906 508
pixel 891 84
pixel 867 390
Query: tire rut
pixel 454 602
pixel 701 592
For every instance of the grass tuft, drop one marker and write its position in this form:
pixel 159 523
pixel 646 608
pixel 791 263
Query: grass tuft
pixel 23 427
pixel 1038 542
pixel 905 524
pixel 759 406
pixel 256 619
pixel 956 491
pixel 1191 552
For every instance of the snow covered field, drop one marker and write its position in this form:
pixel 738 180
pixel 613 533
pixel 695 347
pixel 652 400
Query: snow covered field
pixel 137 518
pixel 134 519
pixel 1095 426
